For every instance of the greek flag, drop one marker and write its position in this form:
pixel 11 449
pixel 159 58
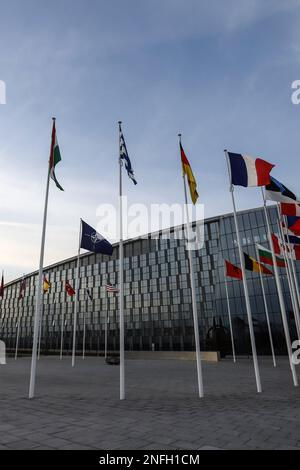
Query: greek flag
pixel 124 156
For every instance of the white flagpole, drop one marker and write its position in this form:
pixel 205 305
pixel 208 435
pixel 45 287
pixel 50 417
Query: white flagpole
pixel 121 281
pixel 40 331
pixel 17 338
pixel 77 286
pixel 83 339
pixel 289 275
pixel 292 262
pixel 39 294
pixel 62 330
pixel 229 316
pixel 193 291
pixel 106 328
pixel 246 292
pixel 266 310
pixel 280 294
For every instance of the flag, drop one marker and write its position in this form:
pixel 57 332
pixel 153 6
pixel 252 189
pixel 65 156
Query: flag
pixel 2 286
pixel 91 240
pixel 295 254
pixel 266 257
pixel 276 245
pixel 55 156
pixel 187 170
pixel 46 285
pixel 293 224
pixel 233 271
pixel 22 289
pixel 276 191
pixel 252 265
pixel 290 209
pixel 69 289
pixel 124 156
pixel 247 171
pixel 292 239
pixel 88 293
pixel 111 289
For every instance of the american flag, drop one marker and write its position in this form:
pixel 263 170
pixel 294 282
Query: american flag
pixel 110 288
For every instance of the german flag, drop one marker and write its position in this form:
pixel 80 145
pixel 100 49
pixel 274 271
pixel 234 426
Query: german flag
pixel 187 170
pixel 252 265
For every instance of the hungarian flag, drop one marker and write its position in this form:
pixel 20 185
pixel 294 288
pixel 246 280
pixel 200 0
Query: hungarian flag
pixel 293 224
pixel 233 271
pixel 46 285
pixel 252 265
pixel 69 289
pixel 247 171
pixel 55 156
pixel 187 170
pixel 2 286
pixel 265 256
pixel 290 209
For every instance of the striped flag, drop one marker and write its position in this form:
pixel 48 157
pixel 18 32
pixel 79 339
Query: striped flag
pixel 248 171
pixel 55 156
pixel 187 170
pixel 266 257
pixel 252 265
pixel 111 289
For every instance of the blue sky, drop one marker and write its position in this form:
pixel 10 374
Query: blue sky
pixel 219 72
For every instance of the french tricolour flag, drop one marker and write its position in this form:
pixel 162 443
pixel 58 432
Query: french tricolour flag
pixel 248 171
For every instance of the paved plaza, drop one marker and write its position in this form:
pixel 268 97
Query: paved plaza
pixel 79 408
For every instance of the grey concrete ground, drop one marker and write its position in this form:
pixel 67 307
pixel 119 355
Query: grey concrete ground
pixel 79 408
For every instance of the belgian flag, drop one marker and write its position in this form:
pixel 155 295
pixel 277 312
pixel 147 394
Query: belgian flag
pixel 252 265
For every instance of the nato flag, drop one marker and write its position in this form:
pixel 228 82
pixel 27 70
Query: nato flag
pixel 91 240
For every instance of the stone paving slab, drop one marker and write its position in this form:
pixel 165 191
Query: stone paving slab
pixel 80 408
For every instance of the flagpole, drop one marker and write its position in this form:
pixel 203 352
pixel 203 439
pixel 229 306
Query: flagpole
pixel 76 297
pixel 229 316
pixel 106 327
pixel 246 292
pixel 62 335
pixel 121 282
pixel 83 339
pixel 280 294
pixel 294 299
pixel 17 338
pixel 39 293
pixel 40 331
pixel 193 292
pixel 266 310
pixel 292 261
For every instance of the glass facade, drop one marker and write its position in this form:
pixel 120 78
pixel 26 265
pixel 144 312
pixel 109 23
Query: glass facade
pixel 158 310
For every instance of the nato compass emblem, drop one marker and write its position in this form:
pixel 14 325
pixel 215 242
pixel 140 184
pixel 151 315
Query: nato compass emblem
pixel 95 238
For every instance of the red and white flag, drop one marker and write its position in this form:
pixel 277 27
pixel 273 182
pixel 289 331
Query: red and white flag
pixel 111 289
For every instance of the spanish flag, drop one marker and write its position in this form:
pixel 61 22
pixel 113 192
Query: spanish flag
pixel 252 265
pixel 46 285
pixel 187 170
